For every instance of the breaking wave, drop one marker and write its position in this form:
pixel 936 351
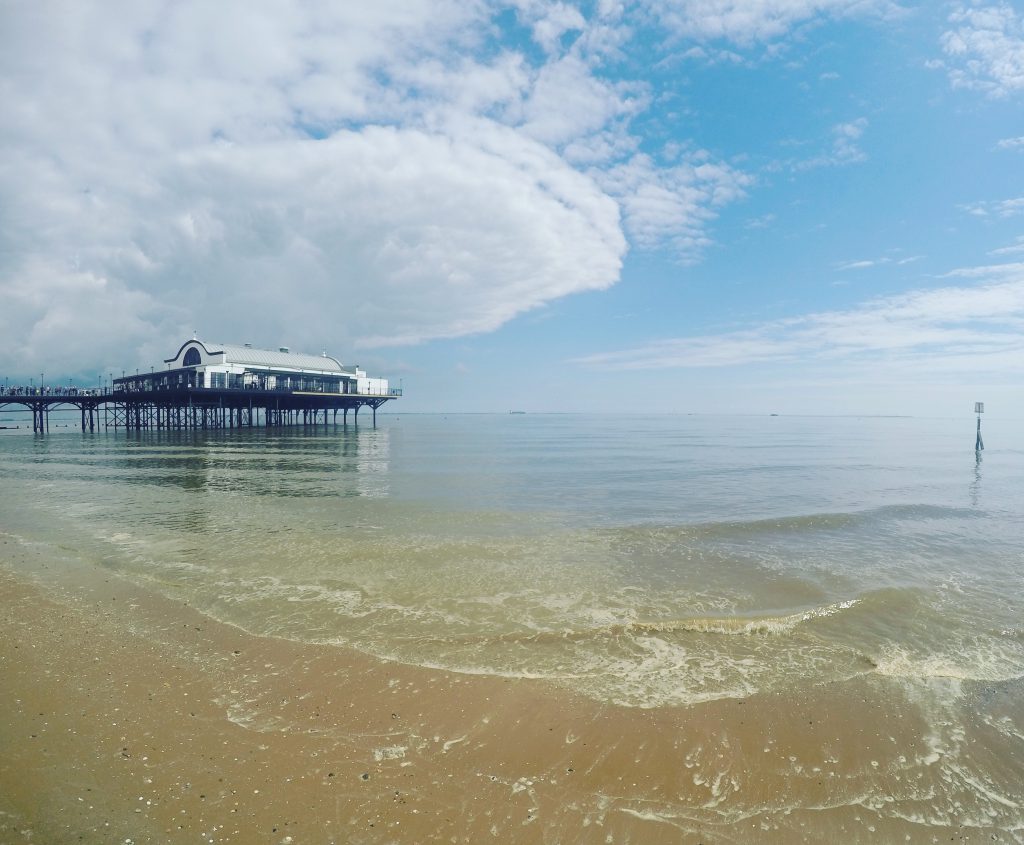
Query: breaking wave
pixel 737 625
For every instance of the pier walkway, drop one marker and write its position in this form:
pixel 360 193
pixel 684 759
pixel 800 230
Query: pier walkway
pixel 192 407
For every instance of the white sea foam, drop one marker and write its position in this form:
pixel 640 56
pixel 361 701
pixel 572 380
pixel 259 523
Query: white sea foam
pixel 741 625
pixel 972 663
pixel 346 601
pixel 667 673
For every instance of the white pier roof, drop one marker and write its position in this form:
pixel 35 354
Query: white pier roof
pixel 283 358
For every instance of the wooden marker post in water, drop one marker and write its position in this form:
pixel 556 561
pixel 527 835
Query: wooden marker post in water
pixel 979 409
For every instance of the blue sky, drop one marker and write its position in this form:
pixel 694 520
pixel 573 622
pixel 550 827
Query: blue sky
pixel 792 206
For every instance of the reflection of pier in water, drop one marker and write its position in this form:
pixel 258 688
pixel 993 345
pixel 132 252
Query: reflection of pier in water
pixel 290 463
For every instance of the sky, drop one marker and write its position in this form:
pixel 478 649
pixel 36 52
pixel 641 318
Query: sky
pixel 671 206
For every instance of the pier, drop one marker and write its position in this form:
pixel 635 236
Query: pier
pixel 209 386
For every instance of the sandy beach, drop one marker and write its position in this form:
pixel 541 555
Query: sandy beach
pixel 130 718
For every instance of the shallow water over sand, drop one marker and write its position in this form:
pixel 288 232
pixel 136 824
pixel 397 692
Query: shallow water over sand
pixel 647 564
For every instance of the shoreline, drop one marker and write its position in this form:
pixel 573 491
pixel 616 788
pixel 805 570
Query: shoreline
pixel 135 717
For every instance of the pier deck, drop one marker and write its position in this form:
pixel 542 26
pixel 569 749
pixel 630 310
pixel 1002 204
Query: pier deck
pixel 191 407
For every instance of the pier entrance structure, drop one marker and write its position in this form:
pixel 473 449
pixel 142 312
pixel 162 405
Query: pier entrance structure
pixel 218 386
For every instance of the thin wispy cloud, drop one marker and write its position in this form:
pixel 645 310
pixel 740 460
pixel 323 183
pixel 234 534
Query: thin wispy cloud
pixel 996 208
pixel 1011 143
pixel 745 22
pixel 968 322
pixel 845 147
pixel 868 263
pixel 762 222
pixel 1015 248
pixel 859 265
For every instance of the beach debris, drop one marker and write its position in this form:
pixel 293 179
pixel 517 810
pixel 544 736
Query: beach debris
pixel 390 752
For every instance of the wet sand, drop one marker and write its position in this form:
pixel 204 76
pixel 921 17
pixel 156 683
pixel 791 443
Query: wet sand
pixel 129 717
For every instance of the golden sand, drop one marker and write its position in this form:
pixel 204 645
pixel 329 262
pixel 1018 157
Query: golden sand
pixel 128 717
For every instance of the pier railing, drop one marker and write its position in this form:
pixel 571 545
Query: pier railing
pixel 118 390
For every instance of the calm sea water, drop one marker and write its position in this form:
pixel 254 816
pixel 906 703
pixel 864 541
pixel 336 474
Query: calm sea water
pixel 644 561
pixel 858 566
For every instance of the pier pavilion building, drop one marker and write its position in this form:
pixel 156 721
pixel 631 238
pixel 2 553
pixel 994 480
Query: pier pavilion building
pixel 232 367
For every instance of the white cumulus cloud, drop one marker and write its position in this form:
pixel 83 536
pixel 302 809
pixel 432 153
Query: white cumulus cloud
pixel 670 205
pixel 1011 143
pixel 358 174
pixel 362 174
pixel 985 48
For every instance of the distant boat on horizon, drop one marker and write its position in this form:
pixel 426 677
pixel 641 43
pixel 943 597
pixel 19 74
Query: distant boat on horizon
pixel 517 412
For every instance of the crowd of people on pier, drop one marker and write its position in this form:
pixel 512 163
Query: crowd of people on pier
pixel 51 390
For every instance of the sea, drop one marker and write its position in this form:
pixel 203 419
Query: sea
pixel 643 562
